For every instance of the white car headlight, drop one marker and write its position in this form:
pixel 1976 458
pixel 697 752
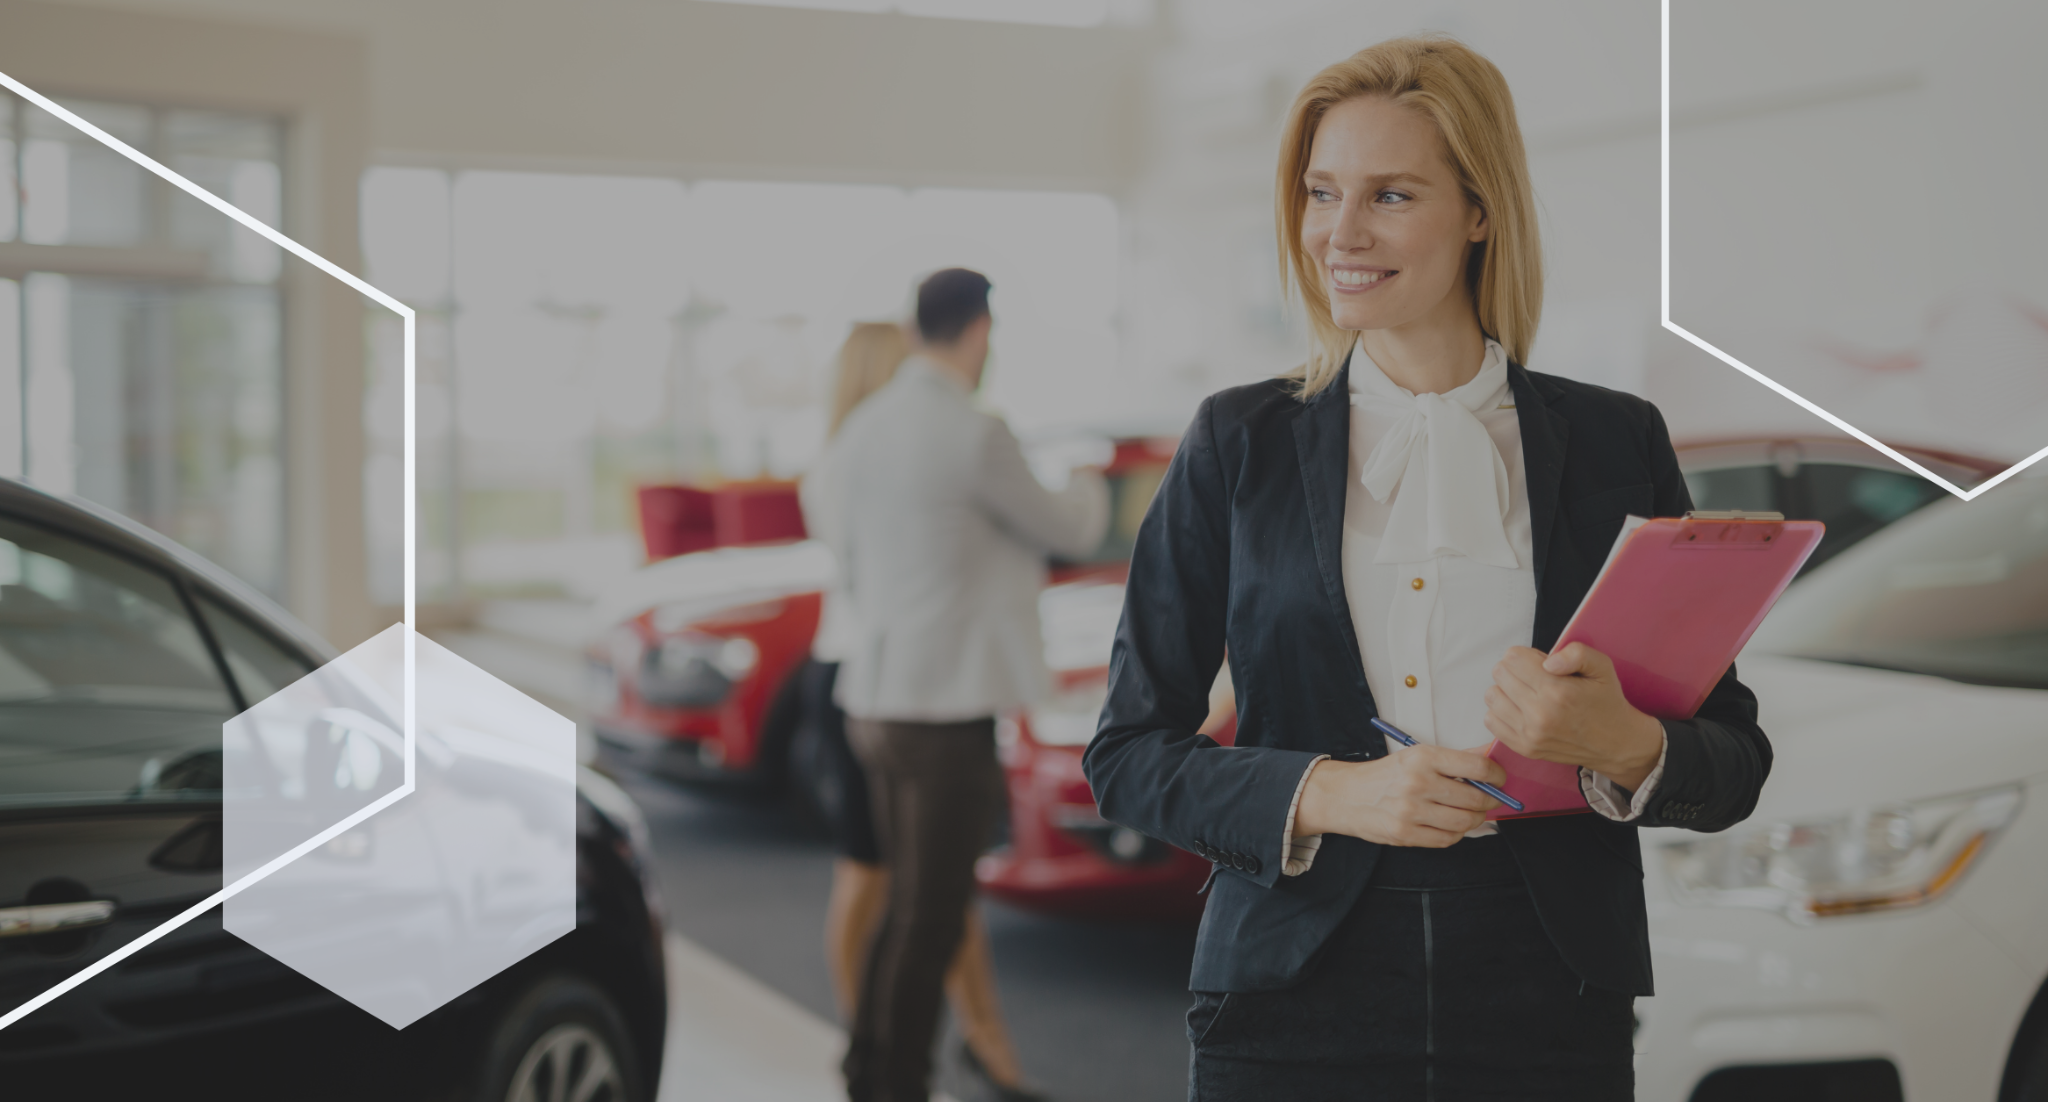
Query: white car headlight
pixel 1875 859
pixel 696 670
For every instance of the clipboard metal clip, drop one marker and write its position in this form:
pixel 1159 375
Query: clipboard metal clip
pixel 1732 528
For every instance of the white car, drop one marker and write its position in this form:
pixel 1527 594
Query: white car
pixel 1878 929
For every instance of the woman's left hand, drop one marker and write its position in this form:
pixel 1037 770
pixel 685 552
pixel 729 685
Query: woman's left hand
pixel 1568 707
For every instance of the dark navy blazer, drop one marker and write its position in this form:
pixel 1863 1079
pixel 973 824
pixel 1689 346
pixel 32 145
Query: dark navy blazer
pixel 1240 549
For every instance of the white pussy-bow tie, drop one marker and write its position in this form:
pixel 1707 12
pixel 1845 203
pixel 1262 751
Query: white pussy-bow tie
pixel 1450 487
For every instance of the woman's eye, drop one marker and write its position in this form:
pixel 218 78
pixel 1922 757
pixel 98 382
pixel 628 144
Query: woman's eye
pixel 1393 196
pixel 1321 195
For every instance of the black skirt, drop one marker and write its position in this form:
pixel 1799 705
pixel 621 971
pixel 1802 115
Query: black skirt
pixel 1439 986
pixel 839 784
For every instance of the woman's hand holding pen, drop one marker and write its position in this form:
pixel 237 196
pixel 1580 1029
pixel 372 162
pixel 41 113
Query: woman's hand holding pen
pixel 1412 798
pixel 1568 707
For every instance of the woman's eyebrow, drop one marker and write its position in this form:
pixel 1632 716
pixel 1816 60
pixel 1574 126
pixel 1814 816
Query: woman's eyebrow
pixel 1378 179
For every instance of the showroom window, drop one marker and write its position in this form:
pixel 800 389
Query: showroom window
pixel 581 335
pixel 141 360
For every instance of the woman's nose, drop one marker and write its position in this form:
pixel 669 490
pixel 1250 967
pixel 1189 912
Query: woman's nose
pixel 1351 231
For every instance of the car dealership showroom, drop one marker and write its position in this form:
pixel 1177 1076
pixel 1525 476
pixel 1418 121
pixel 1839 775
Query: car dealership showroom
pixel 470 629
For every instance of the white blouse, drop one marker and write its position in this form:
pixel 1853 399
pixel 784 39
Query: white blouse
pixel 1438 567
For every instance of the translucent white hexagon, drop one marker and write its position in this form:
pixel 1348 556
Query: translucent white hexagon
pixel 232 885
pixel 464 876
pixel 1886 404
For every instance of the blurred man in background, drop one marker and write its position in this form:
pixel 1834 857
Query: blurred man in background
pixel 941 533
pixel 860 884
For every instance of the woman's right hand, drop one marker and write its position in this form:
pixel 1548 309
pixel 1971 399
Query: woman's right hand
pixel 1412 797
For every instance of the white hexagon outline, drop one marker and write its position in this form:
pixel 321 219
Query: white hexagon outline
pixel 1664 134
pixel 411 621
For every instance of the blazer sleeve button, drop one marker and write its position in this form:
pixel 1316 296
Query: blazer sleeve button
pixel 1252 865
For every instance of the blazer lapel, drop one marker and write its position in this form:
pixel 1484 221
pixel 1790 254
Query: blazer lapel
pixel 1544 435
pixel 1322 442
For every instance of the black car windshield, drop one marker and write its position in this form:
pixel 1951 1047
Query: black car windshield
pixel 107 690
pixel 1957 590
pixel 1853 500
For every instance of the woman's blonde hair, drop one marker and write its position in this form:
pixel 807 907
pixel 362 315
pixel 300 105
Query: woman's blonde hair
pixel 867 361
pixel 1468 100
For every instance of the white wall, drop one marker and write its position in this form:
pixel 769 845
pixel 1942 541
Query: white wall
pixel 697 89
pixel 1847 172
pixel 1206 306
pixel 1856 209
pixel 1179 120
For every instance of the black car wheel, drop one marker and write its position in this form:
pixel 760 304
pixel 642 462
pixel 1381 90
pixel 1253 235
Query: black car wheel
pixel 562 1041
pixel 2027 1077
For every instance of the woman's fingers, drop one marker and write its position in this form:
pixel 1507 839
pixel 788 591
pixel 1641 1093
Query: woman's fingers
pixel 1521 671
pixel 1438 786
pixel 1501 729
pixel 1461 763
pixel 1457 820
pixel 1414 798
pixel 1428 836
pixel 1434 785
pixel 1502 710
pixel 1458 794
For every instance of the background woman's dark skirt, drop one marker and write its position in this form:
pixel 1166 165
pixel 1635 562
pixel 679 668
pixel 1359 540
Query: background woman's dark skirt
pixel 1440 986
pixel 839 783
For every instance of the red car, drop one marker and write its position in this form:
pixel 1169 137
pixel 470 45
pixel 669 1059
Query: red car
pixel 695 680
pixel 1063 856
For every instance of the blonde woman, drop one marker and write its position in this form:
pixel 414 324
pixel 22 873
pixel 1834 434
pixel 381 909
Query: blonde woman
pixel 860 884
pixel 1385 533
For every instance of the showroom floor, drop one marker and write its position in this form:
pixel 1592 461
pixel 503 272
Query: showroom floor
pixel 1095 1009
pixel 732 1037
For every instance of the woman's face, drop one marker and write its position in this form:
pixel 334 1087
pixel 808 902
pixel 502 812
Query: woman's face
pixel 1386 218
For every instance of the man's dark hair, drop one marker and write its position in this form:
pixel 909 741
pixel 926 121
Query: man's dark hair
pixel 949 301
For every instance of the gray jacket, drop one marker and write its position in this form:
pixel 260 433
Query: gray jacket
pixel 940 532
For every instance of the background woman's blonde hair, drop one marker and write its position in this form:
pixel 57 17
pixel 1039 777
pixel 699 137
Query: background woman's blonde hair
pixel 1468 99
pixel 867 361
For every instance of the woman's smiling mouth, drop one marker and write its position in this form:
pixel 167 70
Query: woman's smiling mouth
pixel 1353 281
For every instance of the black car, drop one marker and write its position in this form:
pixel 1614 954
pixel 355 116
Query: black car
pixel 121 656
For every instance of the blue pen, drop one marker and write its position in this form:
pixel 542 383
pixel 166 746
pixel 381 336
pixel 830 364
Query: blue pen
pixel 1405 739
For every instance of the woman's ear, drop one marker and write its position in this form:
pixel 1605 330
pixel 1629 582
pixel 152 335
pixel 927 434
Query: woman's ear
pixel 1480 227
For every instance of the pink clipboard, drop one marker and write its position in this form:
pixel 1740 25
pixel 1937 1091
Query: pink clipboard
pixel 1672 606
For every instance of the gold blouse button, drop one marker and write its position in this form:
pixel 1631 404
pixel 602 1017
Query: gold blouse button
pixel 1416 584
pixel 1410 681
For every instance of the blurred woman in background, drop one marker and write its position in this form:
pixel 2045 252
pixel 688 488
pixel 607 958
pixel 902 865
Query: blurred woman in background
pixel 860 883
